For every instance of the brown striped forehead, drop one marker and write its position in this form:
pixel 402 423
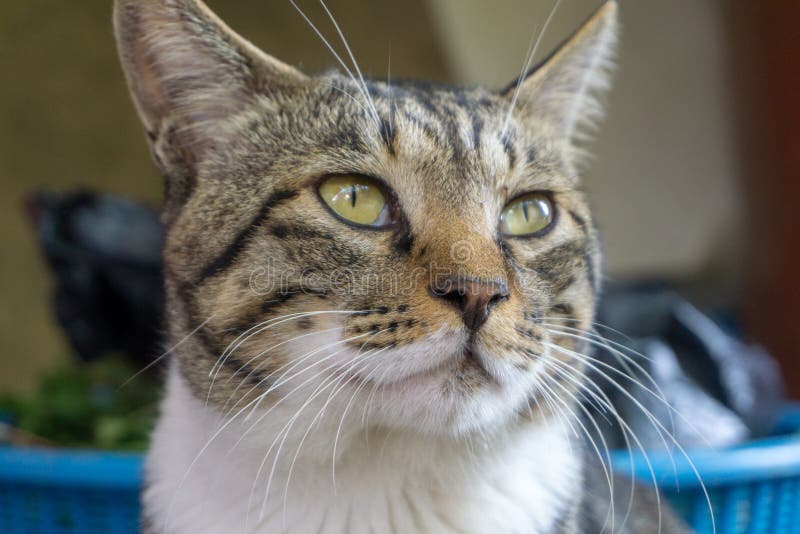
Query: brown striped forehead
pixel 455 137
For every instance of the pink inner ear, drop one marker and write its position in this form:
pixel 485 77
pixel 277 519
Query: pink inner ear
pixel 148 85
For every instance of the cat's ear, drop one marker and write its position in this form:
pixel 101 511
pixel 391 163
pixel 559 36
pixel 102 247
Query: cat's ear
pixel 187 71
pixel 561 91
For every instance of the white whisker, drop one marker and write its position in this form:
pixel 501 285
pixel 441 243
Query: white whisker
pixel 605 461
pixel 326 383
pixel 341 62
pixel 661 430
pixel 166 352
pixel 527 66
pixel 353 60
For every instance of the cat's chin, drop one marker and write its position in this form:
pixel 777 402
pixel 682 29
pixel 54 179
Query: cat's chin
pixel 458 397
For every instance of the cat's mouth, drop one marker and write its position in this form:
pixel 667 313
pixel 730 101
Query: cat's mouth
pixel 467 361
pixel 472 360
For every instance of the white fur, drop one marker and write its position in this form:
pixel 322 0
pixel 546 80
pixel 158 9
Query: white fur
pixel 397 481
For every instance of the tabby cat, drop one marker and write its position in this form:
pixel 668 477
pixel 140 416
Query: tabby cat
pixel 377 293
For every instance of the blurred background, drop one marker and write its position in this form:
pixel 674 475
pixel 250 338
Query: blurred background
pixel 694 180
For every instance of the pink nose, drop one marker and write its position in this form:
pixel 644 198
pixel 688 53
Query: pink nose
pixel 472 297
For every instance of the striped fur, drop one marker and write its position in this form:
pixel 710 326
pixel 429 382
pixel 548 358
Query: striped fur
pixel 281 312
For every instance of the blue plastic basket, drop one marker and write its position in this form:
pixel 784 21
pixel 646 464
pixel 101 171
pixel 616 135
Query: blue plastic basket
pixel 753 488
pixel 45 491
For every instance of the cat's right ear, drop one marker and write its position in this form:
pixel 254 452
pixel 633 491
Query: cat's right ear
pixel 187 72
pixel 560 93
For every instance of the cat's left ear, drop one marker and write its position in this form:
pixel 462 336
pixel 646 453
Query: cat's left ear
pixel 189 74
pixel 561 91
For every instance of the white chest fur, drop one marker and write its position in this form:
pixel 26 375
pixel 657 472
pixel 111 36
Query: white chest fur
pixel 384 482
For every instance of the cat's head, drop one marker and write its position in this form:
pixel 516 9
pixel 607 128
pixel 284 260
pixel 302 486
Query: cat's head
pixel 420 253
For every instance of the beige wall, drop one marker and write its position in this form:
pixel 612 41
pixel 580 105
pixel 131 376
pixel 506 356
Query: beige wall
pixel 663 180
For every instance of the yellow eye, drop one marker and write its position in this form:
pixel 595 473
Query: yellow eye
pixel 527 215
pixel 356 199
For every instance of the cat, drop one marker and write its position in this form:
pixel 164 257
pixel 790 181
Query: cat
pixel 377 295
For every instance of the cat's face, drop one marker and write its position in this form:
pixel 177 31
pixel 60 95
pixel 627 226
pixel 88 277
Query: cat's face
pixel 418 254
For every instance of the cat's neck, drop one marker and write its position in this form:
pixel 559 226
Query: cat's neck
pixel 384 481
